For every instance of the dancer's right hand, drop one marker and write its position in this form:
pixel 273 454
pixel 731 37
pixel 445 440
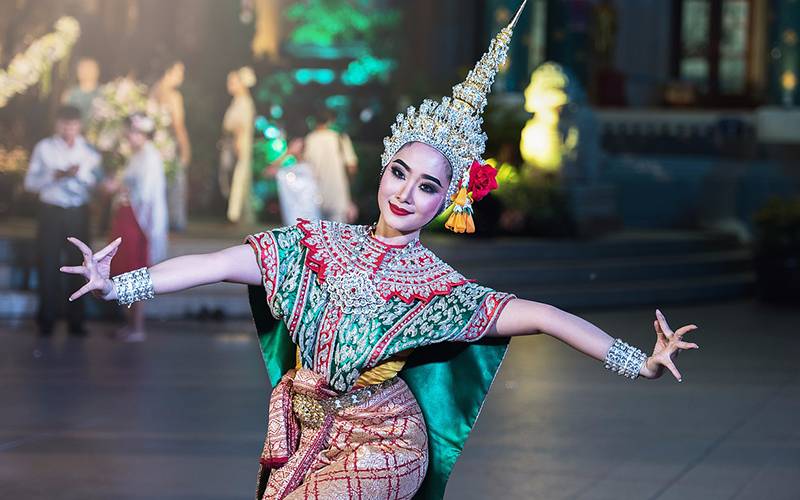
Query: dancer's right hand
pixel 96 269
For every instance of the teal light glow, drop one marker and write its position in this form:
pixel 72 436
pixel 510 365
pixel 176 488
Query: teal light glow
pixel 278 145
pixel 261 123
pixel 364 69
pixel 323 76
pixel 272 132
pixel 276 111
pixel 337 101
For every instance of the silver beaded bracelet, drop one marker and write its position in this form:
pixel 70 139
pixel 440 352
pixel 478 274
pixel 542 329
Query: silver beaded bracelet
pixel 625 360
pixel 133 287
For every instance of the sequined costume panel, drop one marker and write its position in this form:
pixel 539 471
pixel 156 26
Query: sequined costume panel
pixel 350 301
pixel 376 449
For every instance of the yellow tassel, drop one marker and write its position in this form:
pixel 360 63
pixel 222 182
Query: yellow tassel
pixel 452 222
pixel 460 220
pixel 460 198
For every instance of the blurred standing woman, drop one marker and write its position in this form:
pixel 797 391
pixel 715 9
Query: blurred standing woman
pixel 166 94
pixel 235 174
pixel 139 214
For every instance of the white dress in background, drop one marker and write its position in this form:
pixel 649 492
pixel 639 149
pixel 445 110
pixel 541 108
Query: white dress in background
pixel 298 193
pixel 147 195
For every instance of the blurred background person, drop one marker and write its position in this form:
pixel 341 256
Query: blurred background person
pixel 83 93
pixel 331 155
pixel 297 188
pixel 235 174
pixel 139 214
pixel 166 93
pixel 63 170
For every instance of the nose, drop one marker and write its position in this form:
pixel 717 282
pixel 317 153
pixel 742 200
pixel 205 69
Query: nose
pixel 405 194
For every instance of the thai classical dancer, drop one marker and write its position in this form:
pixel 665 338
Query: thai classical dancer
pixel 384 353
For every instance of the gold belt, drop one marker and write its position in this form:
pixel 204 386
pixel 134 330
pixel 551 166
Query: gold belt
pixel 311 412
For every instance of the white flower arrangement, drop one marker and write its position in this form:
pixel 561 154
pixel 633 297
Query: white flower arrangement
pixel 115 102
pixel 36 62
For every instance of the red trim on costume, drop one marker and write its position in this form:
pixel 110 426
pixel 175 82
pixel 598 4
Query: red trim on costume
pixel 488 312
pixel 420 277
pixel 266 250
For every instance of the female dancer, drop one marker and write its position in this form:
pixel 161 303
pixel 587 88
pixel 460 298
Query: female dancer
pixel 385 353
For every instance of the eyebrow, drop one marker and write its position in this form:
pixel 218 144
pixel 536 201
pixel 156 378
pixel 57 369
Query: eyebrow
pixel 424 176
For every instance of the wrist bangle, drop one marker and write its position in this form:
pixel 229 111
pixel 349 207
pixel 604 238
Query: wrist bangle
pixel 624 359
pixel 133 287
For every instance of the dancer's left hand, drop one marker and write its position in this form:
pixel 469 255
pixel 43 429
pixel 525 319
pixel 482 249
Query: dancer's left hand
pixel 668 345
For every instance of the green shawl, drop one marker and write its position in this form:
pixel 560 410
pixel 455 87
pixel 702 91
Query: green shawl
pixel 449 380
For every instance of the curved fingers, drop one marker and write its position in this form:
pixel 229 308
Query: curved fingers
pixel 673 369
pixel 85 250
pixel 73 269
pixel 108 249
pixel 662 321
pixel 88 287
pixel 685 329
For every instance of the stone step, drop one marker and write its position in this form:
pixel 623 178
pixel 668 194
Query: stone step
pixel 655 294
pixel 504 273
pixel 457 249
pixel 225 300
pixel 218 300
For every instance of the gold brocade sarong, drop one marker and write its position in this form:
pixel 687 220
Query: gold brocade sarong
pixel 318 446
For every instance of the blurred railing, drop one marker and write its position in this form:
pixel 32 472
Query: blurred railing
pixel 684 132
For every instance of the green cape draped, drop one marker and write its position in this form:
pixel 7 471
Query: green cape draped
pixel 449 380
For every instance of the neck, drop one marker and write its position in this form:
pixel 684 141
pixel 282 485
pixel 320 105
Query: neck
pixel 69 141
pixel 391 236
pixel 87 86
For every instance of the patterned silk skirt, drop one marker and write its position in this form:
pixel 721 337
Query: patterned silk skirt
pixel 370 443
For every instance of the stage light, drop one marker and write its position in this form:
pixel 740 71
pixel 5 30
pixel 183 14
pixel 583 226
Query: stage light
pixel 261 123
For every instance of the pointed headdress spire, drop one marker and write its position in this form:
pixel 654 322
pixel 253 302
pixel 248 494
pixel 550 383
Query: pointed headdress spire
pixel 453 125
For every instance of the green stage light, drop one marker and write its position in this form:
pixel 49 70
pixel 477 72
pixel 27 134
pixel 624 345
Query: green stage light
pixel 272 132
pixel 337 101
pixel 323 76
pixel 261 123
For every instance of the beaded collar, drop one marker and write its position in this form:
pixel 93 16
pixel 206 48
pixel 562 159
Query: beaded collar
pixel 361 273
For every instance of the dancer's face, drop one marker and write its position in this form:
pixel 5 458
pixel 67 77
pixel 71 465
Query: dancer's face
pixel 413 187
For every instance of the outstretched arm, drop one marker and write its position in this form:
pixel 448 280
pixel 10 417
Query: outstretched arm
pixel 235 265
pixel 525 317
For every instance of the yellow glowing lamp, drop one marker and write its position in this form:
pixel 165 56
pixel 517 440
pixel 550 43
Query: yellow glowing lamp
pixel 541 144
pixel 789 80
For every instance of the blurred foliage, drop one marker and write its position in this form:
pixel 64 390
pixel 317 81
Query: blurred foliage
pixel 778 224
pixel 534 202
pixel 333 22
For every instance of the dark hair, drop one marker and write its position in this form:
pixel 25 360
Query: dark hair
pixel 323 114
pixel 68 113
pixel 129 123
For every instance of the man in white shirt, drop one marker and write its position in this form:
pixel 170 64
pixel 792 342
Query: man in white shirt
pixel 63 171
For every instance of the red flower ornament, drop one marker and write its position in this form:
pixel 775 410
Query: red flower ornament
pixel 482 180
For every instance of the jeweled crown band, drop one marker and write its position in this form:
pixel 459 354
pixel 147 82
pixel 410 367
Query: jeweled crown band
pixel 624 359
pixel 133 287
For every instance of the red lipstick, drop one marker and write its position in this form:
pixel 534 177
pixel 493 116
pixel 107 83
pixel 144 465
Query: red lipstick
pixel 398 211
